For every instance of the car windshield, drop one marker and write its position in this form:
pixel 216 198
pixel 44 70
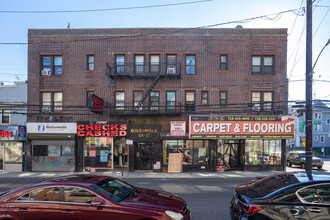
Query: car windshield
pixel 115 189
pixel 302 155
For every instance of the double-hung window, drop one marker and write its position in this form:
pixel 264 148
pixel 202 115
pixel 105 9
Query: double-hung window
pixel 190 64
pixel 223 62
pixel 51 65
pixel 120 100
pixel 5 116
pixel 170 100
pixel 262 101
pixel 263 65
pixel 171 64
pixel 154 100
pixel 90 62
pixel 137 96
pixel 139 64
pixel 223 98
pixel 205 97
pixel 120 63
pixel 154 64
pixel 51 101
pixel 190 101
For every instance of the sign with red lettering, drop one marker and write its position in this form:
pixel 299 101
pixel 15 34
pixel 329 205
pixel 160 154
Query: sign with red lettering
pixel 274 127
pixel 12 133
pixel 102 129
pixel 95 104
pixel 178 128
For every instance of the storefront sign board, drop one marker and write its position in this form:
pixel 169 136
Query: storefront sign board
pixel 178 128
pixel 51 128
pixel 274 127
pixel 175 161
pixel 145 133
pixel 102 129
pixel 11 133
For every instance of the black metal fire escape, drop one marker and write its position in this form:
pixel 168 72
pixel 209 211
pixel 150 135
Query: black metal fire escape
pixel 147 93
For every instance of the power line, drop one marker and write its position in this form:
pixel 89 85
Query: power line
pixel 107 9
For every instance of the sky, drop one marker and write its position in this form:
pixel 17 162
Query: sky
pixel 17 16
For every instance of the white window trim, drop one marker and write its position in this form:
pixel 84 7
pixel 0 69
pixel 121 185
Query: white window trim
pixel 316 138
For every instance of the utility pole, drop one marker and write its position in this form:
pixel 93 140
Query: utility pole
pixel 309 88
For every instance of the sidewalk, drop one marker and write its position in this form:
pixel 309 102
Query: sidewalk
pixel 151 174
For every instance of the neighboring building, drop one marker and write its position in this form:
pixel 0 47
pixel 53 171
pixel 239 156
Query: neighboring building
pixel 135 93
pixel 321 130
pixel 13 101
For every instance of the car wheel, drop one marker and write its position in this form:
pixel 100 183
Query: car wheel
pixel 289 164
pixel 319 168
pixel 303 165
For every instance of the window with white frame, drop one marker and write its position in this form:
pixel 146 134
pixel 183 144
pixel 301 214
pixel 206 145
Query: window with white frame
pixel 316 138
pixel 322 139
pixel 171 64
pixel 190 64
pixel 120 100
pixel 223 62
pixel 263 65
pixel 5 116
pixel 90 62
pixel 262 101
pixel 51 101
pixel 139 64
pixel 317 127
pixel 154 63
pixel 317 115
pixel 120 63
pixel 328 121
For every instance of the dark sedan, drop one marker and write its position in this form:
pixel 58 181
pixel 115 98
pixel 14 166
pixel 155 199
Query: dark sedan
pixel 90 197
pixel 297 195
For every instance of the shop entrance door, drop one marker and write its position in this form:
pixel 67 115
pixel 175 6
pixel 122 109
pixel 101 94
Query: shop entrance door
pixel 231 156
pixel 2 156
pixel 144 156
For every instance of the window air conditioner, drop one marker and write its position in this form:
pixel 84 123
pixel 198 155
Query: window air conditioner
pixel 171 70
pixel 46 109
pixel 45 72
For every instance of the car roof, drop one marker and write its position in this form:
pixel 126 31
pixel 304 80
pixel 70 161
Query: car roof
pixel 85 179
pixel 267 187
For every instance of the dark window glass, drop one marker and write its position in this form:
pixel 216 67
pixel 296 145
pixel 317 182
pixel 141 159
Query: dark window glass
pixel 78 195
pixel 223 62
pixel 170 100
pixel 44 194
pixel 190 101
pixel 137 96
pixel 154 64
pixel 51 65
pixel 5 114
pixel 223 98
pixel 139 64
pixel 263 65
pixel 154 100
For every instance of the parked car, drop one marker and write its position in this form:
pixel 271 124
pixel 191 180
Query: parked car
pixel 90 197
pixel 298 195
pixel 299 158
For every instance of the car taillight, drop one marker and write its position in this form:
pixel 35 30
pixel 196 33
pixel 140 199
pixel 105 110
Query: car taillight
pixel 249 209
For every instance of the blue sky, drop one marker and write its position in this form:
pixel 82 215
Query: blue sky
pixel 14 28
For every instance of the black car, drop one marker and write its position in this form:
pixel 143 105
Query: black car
pixel 299 158
pixel 298 195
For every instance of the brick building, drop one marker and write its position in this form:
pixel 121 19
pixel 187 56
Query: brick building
pixel 122 85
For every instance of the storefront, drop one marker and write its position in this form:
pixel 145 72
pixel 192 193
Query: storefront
pixel 145 153
pixel 239 142
pixel 103 144
pixel 52 146
pixel 12 143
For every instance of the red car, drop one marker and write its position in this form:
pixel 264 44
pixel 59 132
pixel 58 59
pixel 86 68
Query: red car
pixel 90 197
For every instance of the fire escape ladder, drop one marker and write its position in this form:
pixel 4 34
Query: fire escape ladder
pixel 146 94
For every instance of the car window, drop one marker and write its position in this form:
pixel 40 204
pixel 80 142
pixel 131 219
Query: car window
pixel 78 195
pixel 43 194
pixel 309 195
pixel 288 196
pixel 323 191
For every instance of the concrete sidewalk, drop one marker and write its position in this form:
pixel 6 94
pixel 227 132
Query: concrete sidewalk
pixel 151 174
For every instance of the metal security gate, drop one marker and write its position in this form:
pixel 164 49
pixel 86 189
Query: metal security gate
pixel 2 156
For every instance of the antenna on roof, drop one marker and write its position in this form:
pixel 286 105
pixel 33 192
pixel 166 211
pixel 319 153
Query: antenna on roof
pixel 68 25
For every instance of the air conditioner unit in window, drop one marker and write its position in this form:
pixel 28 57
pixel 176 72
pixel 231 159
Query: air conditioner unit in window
pixel 46 109
pixel 171 70
pixel 45 72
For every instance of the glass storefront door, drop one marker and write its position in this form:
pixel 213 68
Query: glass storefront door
pixel 2 152
pixel 144 156
pixel 229 154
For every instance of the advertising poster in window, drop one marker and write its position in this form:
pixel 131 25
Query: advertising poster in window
pixel 104 156
pixel 247 127
pixel 92 153
pixel 99 152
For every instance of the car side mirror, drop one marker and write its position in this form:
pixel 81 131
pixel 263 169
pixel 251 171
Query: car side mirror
pixel 98 202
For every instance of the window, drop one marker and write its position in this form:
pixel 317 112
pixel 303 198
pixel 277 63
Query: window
pixel 322 139
pixel 89 100
pixel 171 64
pixel 51 65
pixel 139 64
pixel 78 195
pixel 51 101
pixel 223 98
pixel 263 65
pixel 44 194
pixel 205 97
pixel 120 64
pixel 190 101
pixel 90 62
pixel 120 100
pixel 316 138
pixel 170 100
pixel 53 150
pixel 190 64
pixel 258 152
pixel 223 62
pixel 137 96
pixel 317 127
pixel 154 100
pixel 5 116
pixel 328 121
pixel 262 101
pixel 154 64
pixel 318 115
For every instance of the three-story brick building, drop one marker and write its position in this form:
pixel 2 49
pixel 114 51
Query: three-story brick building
pixel 137 95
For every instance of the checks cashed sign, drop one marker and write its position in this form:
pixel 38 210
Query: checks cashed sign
pixel 207 127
